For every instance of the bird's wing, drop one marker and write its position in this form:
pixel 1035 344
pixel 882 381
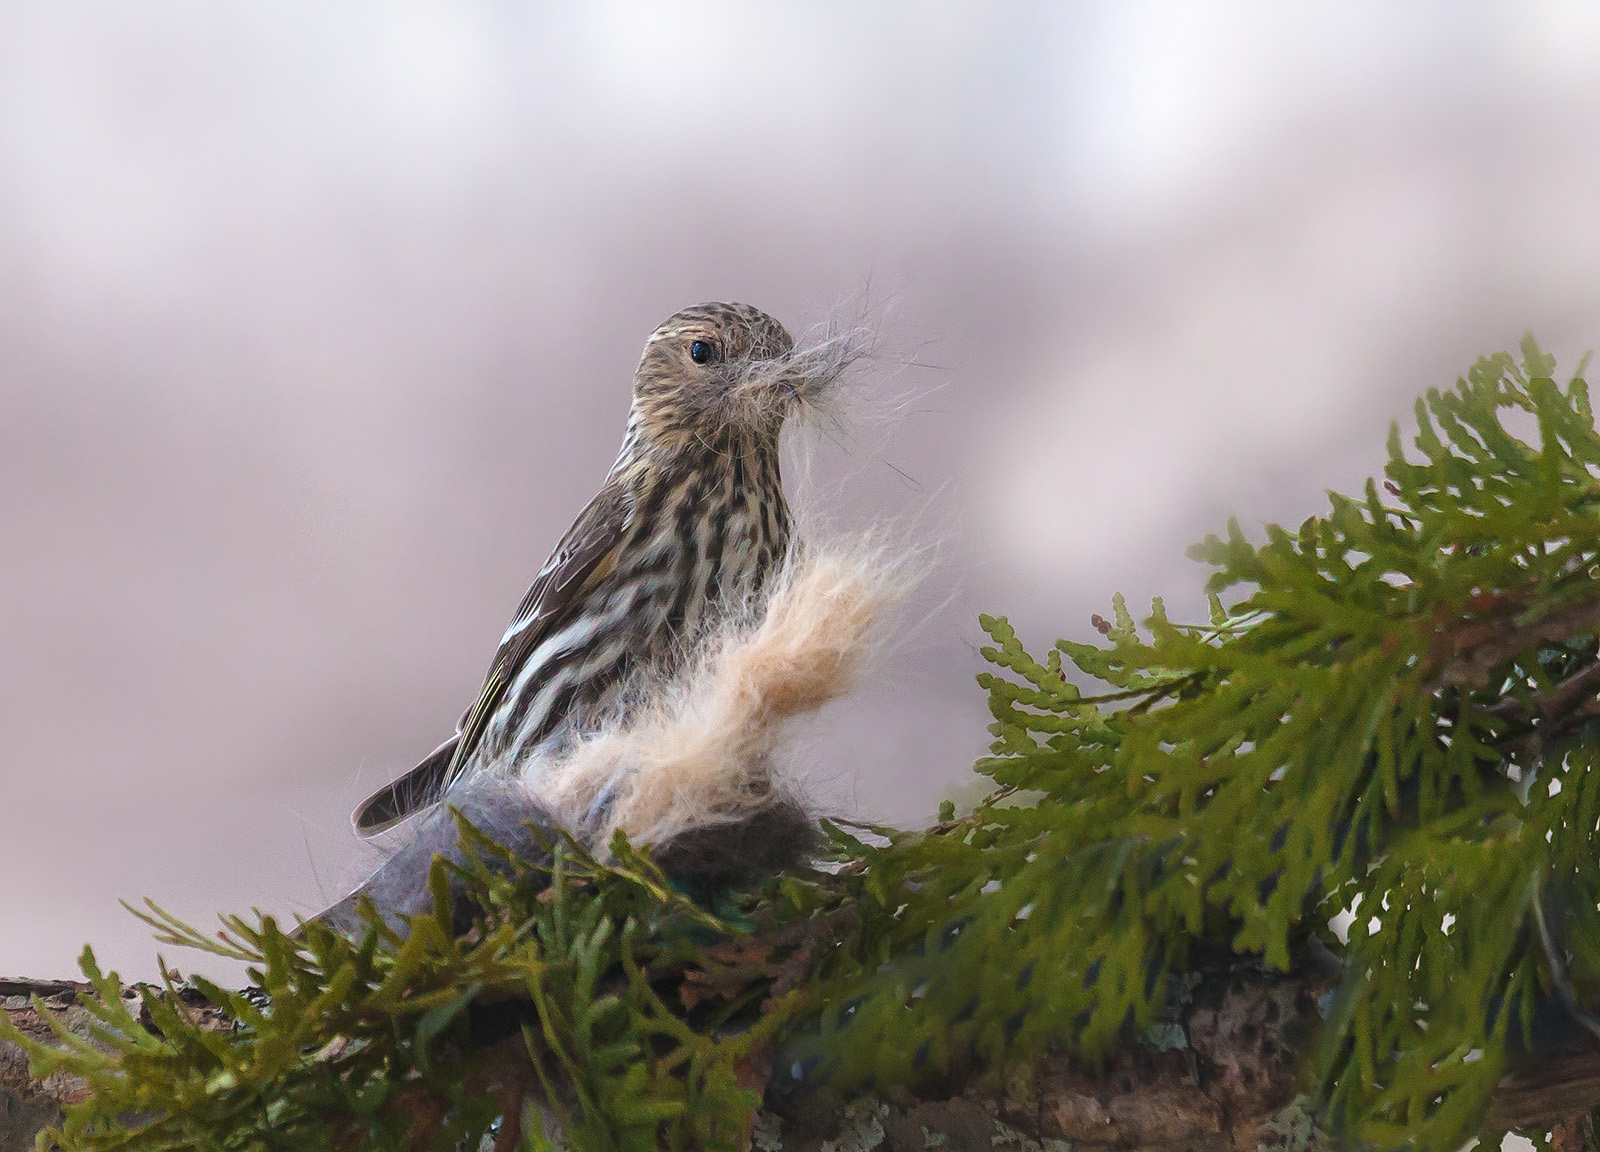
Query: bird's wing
pixel 583 557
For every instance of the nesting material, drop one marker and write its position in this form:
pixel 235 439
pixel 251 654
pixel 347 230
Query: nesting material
pixel 701 753
pixel 807 377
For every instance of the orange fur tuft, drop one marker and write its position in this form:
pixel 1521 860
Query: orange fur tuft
pixel 701 754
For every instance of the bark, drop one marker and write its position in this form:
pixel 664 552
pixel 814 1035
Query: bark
pixel 1230 1081
pixel 28 1105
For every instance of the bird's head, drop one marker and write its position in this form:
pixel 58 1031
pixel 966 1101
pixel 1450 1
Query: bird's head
pixel 715 369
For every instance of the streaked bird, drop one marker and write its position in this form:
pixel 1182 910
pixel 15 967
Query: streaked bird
pixel 690 522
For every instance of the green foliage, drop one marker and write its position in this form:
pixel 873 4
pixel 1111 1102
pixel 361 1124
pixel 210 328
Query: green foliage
pixel 1392 724
pixel 371 1043
pixel 1394 720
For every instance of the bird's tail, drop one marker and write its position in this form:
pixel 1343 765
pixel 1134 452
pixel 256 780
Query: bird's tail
pixel 417 789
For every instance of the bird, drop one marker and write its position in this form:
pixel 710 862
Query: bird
pixel 688 526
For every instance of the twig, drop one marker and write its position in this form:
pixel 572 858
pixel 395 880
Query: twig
pixel 1464 657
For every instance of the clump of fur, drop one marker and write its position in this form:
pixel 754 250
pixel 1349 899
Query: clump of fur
pixel 802 381
pixel 690 769
pixel 700 755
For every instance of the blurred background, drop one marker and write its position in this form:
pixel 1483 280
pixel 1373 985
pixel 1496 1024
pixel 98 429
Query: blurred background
pixel 317 325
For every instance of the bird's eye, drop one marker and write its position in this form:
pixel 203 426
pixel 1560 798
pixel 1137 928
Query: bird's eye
pixel 702 351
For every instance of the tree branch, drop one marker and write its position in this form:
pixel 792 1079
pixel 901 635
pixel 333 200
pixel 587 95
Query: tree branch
pixel 1229 1081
